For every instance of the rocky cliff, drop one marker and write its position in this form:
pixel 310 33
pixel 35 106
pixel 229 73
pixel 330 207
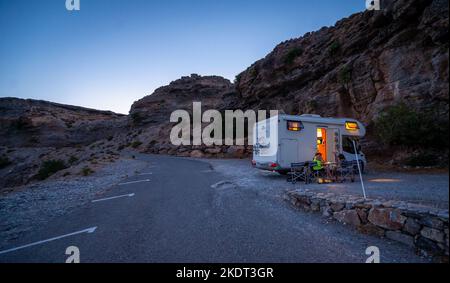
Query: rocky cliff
pixel 212 91
pixel 33 123
pixel 358 67
pixel 152 113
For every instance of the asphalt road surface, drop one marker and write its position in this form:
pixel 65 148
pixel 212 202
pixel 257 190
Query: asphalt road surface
pixel 180 210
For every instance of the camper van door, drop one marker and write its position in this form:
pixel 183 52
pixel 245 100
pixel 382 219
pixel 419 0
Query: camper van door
pixel 333 144
pixel 288 152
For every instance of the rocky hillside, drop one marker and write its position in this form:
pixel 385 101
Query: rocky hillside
pixel 212 91
pixel 358 67
pixel 32 123
pixel 152 114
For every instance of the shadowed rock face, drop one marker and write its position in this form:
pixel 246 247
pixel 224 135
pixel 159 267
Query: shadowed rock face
pixel 212 91
pixel 358 67
pixel 33 123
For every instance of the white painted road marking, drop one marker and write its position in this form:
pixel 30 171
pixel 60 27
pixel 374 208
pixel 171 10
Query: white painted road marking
pixel 110 198
pixel 88 231
pixel 134 182
pixel 142 174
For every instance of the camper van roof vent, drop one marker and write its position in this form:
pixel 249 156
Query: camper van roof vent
pixel 311 115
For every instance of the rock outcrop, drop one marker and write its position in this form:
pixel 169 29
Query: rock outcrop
pixel 152 115
pixel 358 67
pixel 212 91
pixel 33 123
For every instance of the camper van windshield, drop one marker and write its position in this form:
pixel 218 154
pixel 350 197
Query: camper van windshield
pixel 347 144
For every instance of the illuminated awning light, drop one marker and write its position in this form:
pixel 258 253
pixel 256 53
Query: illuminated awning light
pixel 351 126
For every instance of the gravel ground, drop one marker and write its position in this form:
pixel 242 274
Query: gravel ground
pixel 419 188
pixel 31 206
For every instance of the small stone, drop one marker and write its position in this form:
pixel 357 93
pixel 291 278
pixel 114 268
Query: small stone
pixel 350 205
pixel 214 150
pixel 196 154
pixel 362 215
pixel 432 222
pixel 387 218
pixel 433 234
pixel 428 245
pixel 337 206
pixel 400 237
pixel 371 229
pixel 326 211
pixel 315 207
pixel 348 217
pixel 412 226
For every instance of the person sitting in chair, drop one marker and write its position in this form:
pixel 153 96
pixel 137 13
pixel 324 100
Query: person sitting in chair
pixel 318 159
pixel 340 160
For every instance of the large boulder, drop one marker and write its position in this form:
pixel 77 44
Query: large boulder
pixel 388 218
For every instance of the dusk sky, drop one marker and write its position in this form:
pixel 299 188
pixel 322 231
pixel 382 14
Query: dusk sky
pixel 113 52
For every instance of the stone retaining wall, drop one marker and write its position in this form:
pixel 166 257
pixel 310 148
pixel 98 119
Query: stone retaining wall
pixel 422 228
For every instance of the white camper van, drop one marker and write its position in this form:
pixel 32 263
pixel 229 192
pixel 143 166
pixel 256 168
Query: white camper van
pixel 285 139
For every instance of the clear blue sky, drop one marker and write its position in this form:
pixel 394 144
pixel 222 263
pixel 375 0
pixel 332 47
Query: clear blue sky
pixel 113 52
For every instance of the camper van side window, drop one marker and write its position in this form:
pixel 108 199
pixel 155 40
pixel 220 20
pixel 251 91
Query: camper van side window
pixel 294 126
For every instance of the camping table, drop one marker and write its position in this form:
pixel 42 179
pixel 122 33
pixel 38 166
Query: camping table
pixel 329 169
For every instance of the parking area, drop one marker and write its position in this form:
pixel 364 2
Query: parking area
pixel 429 189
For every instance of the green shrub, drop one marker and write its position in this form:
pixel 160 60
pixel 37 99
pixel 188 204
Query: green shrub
pixel 334 48
pixel 136 144
pixel 86 171
pixel 49 168
pixel 345 76
pixel 4 162
pixel 422 159
pixel 137 118
pixel 253 72
pixel 292 55
pixel 72 160
pixel 400 125
pixel 313 105
pixel 33 140
pixel 22 123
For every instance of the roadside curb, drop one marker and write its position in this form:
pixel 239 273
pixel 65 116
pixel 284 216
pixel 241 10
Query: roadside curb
pixel 423 228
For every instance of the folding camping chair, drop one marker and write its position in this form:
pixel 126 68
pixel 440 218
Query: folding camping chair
pixel 346 170
pixel 299 171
